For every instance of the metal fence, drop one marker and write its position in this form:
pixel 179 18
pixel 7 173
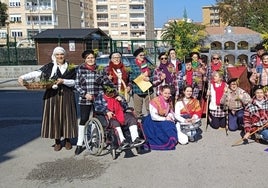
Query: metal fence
pixel 17 56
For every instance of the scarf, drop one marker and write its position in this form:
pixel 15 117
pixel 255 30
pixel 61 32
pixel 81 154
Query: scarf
pixel 191 107
pixel 195 64
pixel 114 106
pixel 120 66
pixel 215 67
pixel 163 107
pixel 189 77
pixel 265 66
pixel 143 66
pixel 219 91
pixel 164 68
pixel 90 67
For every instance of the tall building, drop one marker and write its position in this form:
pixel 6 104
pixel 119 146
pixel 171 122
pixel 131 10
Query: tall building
pixel 29 17
pixel 211 16
pixel 125 20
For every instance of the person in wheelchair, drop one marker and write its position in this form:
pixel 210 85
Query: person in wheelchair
pixel 188 114
pixel 114 108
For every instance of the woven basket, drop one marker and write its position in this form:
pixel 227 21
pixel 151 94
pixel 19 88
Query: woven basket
pixel 38 85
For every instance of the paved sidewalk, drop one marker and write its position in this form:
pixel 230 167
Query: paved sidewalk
pixel 28 161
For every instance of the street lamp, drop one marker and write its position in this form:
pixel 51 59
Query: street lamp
pixel 7 40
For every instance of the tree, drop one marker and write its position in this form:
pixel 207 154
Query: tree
pixel 185 37
pixel 250 14
pixel 3 14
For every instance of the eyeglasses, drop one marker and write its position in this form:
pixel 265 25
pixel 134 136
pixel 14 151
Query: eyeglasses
pixel 164 58
pixel 142 55
pixel 216 58
pixel 116 57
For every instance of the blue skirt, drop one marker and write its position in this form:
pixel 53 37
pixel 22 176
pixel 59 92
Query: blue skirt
pixel 161 135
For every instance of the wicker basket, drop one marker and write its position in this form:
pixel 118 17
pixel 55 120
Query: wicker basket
pixel 38 85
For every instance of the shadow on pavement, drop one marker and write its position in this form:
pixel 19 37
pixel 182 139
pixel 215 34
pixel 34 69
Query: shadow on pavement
pixel 16 133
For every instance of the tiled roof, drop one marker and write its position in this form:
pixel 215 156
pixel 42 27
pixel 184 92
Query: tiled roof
pixel 70 33
pixel 235 30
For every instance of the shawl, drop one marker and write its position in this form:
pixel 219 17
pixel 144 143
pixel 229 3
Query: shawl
pixel 219 91
pixel 114 106
pixel 164 68
pixel 163 107
pixel 191 108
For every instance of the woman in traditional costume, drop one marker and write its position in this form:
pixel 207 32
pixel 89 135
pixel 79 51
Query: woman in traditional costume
pixel 159 126
pixel 59 113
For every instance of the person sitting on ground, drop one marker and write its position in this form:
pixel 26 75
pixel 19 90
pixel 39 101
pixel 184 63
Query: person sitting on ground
pixel 159 126
pixel 235 99
pixel 188 112
pixel 256 115
pixel 114 107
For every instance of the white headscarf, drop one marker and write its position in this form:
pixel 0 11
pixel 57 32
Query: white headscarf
pixel 57 50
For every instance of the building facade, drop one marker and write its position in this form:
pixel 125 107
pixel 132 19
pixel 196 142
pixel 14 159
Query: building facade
pixel 125 20
pixel 211 16
pixel 29 17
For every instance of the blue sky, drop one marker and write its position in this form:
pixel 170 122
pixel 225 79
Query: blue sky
pixel 170 9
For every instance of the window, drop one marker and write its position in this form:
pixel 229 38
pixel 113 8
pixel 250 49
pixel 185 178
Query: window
pixel 14 3
pixel 113 16
pixel 16 33
pixel 114 24
pixel 123 24
pixel 113 7
pixel 123 15
pixel 15 18
pixel 3 34
pixel 124 33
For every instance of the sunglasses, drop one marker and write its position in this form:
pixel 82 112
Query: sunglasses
pixel 164 58
pixel 216 58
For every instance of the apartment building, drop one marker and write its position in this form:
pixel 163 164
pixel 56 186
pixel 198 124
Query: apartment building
pixel 29 17
pixel 125 20
pixel 211 16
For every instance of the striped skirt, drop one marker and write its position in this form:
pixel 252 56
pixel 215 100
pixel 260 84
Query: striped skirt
pixel 59 114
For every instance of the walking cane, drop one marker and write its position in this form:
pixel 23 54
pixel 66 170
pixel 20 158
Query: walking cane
pixel 124 84
pixel 242 139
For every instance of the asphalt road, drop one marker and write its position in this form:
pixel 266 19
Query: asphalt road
pixel 28 161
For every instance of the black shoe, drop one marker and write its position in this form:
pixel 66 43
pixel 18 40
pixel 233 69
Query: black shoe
pixel 124 145
pixel 138 141
pixel 78 150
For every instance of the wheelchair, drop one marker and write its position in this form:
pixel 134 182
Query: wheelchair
pixel 190 129
pixel 99 138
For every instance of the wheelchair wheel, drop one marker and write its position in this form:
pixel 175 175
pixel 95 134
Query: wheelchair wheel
pixel 94 136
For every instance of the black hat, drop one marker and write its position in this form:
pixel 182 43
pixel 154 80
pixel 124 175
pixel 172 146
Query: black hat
pixel 188 59
pixel 264 54
pixel 116 52
pixel 138 51
pixel 231 80
pixel 259 47
pixel 193 53
pixel 161 54
pixel 257 87
pixel 86 53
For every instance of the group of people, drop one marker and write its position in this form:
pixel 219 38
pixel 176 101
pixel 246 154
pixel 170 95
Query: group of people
pixel 172 105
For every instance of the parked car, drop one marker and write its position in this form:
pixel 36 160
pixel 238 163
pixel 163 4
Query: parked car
pixel 104 60
pixel 127 59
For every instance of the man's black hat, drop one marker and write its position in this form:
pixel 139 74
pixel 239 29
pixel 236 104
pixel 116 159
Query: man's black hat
pixel 259 47
pixel 138 51
pixel 257 87
pixel 231 80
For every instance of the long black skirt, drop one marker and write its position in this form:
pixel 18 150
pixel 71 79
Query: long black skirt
pixel 59 114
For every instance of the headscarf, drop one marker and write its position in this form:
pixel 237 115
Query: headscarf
pixel 57 50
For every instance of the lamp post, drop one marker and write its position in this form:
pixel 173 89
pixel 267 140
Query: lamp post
pixel 7 35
